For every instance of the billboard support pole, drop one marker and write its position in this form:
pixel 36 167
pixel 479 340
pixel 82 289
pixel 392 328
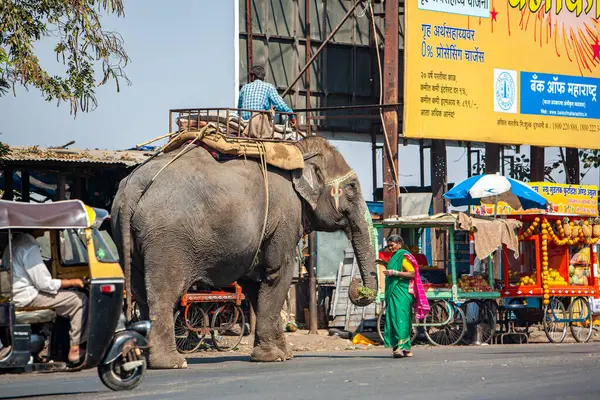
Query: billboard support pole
pixel 249 49
pixel 439 186
pixel 312 284
pixel 492 158
pixel 312 238
pixel 306 60
pixel 422 163
pixel 469 160
pixel 391 197
pixel 572 161
pixel 536 156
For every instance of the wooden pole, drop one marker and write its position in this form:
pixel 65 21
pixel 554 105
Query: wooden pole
pixel 8 184
pixel 492 158
pixel 61 187
pixel 439 186
pixel 536 157
pixel 312 284
pixel 390 115
pixel 76 191
pixel 25 187
pixel 572 161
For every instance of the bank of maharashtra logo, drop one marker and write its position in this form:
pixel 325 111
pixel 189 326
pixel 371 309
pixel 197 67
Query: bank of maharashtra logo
pixel 505 91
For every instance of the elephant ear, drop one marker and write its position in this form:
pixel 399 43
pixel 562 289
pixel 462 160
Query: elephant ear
pixel 307 182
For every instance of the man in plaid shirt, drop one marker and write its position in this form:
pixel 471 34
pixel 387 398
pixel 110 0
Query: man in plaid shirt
pixel 259 95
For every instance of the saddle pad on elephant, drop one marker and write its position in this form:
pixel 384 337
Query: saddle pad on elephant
pixel 284 155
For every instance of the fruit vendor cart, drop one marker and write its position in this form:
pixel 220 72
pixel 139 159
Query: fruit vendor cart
pixel 455 302
pixel 555 278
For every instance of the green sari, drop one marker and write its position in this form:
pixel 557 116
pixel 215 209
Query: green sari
pixel 399 303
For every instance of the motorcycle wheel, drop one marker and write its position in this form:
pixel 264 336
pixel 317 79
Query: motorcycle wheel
pixel 116 378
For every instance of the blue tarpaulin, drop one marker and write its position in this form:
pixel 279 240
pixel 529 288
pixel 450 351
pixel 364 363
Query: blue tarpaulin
pixel 44 185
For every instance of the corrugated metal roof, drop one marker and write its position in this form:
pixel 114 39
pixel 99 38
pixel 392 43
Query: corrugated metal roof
pixel 36 154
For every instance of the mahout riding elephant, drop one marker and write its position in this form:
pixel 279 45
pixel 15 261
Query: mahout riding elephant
pixel 201 220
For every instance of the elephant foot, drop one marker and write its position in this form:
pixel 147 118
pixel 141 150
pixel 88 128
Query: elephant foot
pixel 288 354
pixel 268 354
pixel 167 361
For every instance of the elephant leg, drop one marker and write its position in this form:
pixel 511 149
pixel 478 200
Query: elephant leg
pixel 250 290
pixel 138 289
pixel 269 340
pixel 163 292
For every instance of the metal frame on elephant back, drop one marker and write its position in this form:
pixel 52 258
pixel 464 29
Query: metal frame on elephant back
pixel 230 123
pixel 215 312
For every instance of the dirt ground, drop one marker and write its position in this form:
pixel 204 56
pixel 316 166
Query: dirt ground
pixel 301 341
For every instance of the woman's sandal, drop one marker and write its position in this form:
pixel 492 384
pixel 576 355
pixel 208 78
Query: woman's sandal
pixel 398 354
pixel 408 354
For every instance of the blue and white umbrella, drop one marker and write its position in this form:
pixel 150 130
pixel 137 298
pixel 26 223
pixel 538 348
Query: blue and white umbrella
pixel 493 188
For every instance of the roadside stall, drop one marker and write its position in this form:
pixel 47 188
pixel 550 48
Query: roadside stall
pixel 455 300
pixel 554 278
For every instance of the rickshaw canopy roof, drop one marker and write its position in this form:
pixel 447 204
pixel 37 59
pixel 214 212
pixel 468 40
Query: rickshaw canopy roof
pixel 57 215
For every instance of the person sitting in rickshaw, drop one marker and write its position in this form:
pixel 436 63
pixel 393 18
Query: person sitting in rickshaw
pixel 33 286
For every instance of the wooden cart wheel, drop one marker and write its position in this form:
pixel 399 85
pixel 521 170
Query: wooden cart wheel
pixel 483 316
pixel 580 317
pixel 445 325
pixel 381 325
pixel 227 327
pixel 189 340
pixel 555 317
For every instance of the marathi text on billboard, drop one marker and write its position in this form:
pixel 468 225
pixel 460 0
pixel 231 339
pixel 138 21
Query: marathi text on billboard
pixel 505 71
pixel 562 199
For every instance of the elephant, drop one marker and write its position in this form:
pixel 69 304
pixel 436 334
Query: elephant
pixel 202 220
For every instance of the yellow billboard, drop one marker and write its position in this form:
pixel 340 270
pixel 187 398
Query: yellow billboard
pixel 503 71
pixel 562 199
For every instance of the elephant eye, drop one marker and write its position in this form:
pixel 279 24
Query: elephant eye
pixel 319 174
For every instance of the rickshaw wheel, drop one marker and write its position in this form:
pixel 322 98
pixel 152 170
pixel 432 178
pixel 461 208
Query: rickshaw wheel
pixel 116 378
pixel 580 309
pixel 188 333
pixel 555 331
pixel 450 324
pixel 227 327
pixel 381 326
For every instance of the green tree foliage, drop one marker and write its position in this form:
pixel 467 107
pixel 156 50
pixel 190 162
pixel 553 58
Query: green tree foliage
pixel 82 46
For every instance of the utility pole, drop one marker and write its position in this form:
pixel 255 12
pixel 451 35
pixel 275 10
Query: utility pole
pixel 390 115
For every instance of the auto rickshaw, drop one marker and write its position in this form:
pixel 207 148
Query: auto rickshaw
pixel 73 247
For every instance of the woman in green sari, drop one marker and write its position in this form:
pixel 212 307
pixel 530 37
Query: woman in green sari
pixel 398 300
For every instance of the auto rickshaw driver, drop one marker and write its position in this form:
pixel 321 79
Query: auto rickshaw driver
pixel 33 286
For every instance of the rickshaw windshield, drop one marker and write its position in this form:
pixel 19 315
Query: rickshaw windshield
pixel 73 249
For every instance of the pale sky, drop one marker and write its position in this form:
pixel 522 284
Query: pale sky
pixel 182 55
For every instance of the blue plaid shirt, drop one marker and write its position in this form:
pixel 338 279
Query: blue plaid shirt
pixel 259 95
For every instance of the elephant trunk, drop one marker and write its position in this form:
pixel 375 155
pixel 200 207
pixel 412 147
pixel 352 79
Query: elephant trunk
pixel 364 251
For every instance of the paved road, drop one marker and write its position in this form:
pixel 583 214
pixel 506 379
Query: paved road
pixel 568 371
